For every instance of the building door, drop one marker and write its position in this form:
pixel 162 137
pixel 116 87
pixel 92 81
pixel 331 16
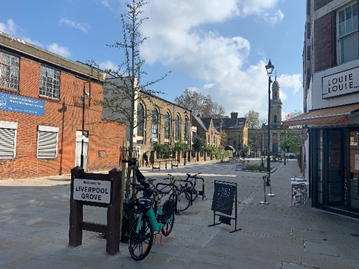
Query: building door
pixel 78 149
pixel 352 182
pixel 335 171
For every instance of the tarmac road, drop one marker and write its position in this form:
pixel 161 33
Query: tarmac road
pixel 34 227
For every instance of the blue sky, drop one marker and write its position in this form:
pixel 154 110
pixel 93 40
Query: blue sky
pixel 216 47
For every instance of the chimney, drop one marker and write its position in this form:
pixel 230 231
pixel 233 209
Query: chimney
pixel 234 118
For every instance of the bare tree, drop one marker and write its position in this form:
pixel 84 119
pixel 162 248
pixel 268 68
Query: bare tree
pixel 124 88
pixel 253 120
pixel 200 104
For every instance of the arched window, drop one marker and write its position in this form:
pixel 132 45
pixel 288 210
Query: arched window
pixel 154 129
pixel 140 119
pixel 167 125
pixel 186 129
pixel 177 128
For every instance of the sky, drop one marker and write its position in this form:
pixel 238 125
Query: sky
pixel 216 47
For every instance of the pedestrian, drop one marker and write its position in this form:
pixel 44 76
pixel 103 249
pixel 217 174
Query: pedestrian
pixel 145 157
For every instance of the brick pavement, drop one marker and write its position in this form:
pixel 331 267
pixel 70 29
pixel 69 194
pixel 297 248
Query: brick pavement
pixel 34 225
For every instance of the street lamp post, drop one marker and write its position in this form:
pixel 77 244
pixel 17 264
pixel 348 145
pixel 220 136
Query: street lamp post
pixel 285 148
pixel 269 68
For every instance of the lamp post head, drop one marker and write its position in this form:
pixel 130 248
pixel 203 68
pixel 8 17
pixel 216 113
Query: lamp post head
pixel 269 68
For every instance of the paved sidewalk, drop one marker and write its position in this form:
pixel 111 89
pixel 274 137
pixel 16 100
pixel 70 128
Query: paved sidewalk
pixel 34 226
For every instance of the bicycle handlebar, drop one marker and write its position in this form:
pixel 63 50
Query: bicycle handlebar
pixel 193 175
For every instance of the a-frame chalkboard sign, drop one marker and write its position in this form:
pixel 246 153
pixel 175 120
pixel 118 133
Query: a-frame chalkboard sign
pixel 224 196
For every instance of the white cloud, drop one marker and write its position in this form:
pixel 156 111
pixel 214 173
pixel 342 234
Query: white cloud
pixel 250 7
pixel 292 82
pixel 60 50
pixel 273 19
pixel 9 27
pixel 108 65
pixel 178 40
pixel 84 27
pixel 105 3
pixel 33 42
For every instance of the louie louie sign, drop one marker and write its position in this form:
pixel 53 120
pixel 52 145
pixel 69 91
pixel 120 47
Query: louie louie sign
pixel 91 190
pixel 345 82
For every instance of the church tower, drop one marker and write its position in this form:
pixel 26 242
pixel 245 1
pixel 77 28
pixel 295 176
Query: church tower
pixel 275 106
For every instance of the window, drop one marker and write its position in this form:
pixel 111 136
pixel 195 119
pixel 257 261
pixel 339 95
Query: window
pixel 167 125
pixel 8 140
pixel 177 124
pixel 50 82
pixel 348 34
pixel 186 129
pixel 154 133
pixel 47 138
pixel 140 118
pixel 9 71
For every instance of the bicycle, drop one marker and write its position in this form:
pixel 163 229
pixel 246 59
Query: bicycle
pixel 179 194
pixel 148 221
pixel 192 179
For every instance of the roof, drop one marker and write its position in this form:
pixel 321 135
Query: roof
pixel 332 115
pixel 225 123
pixel 25 48
pixel 200 122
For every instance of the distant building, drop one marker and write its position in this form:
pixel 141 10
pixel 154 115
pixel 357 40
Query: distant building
pixel 235 128
pixel 207 131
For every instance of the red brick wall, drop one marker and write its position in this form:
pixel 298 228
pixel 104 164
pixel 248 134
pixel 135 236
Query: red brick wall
pixel 324 42
pixel 320 3
pixel 105 138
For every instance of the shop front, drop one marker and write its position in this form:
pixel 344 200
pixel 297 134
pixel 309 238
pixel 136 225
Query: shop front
pixel 334 169
pixel 332 152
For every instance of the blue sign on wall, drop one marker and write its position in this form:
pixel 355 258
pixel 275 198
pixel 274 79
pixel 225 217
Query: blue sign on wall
pixel 21 104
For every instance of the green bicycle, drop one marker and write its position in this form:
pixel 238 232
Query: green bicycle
pixel 149 223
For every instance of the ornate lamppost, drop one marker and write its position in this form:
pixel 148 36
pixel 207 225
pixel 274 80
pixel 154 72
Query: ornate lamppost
pixel 269 68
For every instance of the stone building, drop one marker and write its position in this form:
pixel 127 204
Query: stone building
pixel 236 130
pixel 156 120
pixel 330 95
pixel 207 131
pixel 45 125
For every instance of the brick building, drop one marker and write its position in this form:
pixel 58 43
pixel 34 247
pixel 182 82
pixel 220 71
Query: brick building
pixel 331 94
pixel 41 115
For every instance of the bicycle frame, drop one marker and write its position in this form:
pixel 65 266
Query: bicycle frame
pixel 153 220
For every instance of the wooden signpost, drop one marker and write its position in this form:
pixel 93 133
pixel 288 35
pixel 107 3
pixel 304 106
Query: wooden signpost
pixel 101 190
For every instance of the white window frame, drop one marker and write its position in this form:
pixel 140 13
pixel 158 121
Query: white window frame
pixel 9 71
pixel 347 33
pixel 50 82
pixel 47 142
pixel 8 133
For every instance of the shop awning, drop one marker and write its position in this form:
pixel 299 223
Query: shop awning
pixel 332 115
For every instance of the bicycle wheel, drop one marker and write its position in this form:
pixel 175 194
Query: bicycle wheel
pixel 192 192
pixel 183 200
pixel 140 243
pixel 169 217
